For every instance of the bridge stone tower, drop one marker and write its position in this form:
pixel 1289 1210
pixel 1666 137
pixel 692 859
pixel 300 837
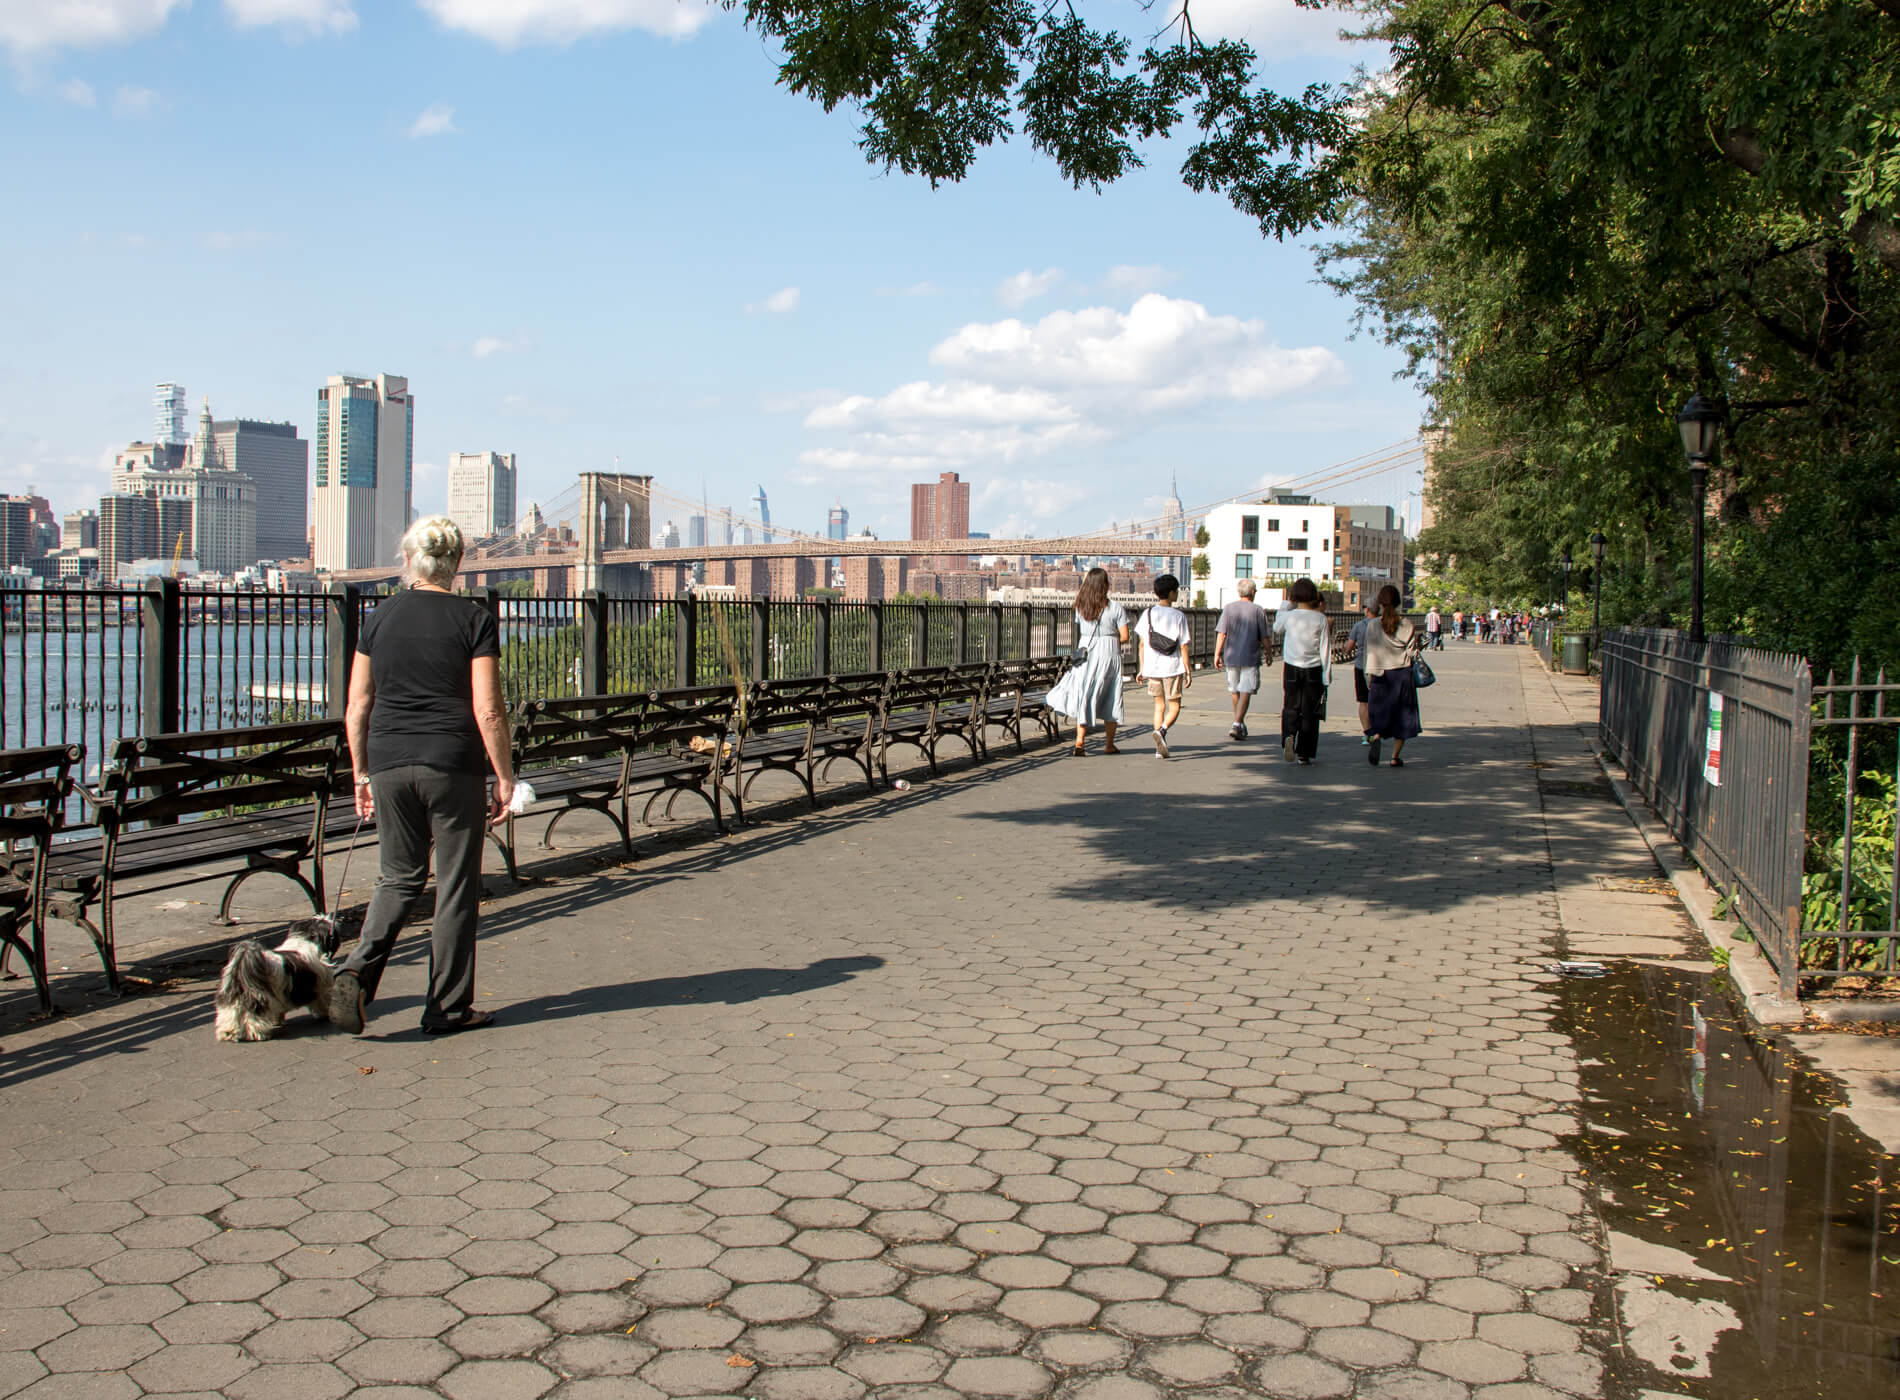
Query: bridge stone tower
pixel 616 513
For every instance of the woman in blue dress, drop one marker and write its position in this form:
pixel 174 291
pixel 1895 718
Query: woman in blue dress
pixel 1091 692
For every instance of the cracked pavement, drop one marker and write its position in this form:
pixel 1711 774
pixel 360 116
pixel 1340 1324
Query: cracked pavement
pixel 1112 1079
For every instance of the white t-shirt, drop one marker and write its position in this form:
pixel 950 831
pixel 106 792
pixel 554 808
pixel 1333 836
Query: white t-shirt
pixel 1169 622
pixel 1306 632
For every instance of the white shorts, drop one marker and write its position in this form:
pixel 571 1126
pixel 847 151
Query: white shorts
pixel 1243 680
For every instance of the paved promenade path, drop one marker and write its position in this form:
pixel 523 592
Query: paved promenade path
pixel 1110 1079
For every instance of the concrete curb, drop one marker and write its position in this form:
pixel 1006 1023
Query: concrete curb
pixel 1749 969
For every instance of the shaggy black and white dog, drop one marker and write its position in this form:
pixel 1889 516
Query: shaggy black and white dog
pixel 263 985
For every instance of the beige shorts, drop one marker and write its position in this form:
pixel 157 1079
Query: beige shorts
pixel 1168 687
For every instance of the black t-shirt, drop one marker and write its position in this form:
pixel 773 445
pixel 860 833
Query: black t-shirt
pixel 419 645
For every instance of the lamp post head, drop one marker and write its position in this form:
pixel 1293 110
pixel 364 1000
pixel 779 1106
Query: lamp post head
pixel 1700 424
pixel 1597 541
pixel 1566 560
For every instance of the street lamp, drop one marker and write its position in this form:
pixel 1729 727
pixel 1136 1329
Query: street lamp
pixel 1700 423
pixel 1596 587
pixel 1564 563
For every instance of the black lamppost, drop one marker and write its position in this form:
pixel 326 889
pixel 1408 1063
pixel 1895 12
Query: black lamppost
pixel 1596 587
pixel 1700 423
pixel 1564 562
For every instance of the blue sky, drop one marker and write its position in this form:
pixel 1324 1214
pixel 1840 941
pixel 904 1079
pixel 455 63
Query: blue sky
pixel 596 228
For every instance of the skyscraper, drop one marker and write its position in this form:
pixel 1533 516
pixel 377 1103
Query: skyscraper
pixel 365 469
pixel 837 523
pixel 128 530
pixel 941 511
pixel 482 493
pixel 171 415
pixel 278 461
pixel 696 533
pixel 765 515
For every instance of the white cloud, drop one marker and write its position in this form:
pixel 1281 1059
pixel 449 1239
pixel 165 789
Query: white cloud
pixel 491 345
pixel 311 16
pixel 437 119
pixel 1278 29
pixel 781 302
pixel 77 92
pixel 1017 506
pixel 1012 390
pixel 1136 278
pixel 28 26
pixel 136 102
pixel 915 289
pixel 1026 286
pixel 512 22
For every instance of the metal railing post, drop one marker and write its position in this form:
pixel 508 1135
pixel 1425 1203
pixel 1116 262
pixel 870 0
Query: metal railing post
pixel 920 641
pixel 959 634
pixel 761 636
pixel 162 620
pixel 1800 742
pixel 821 640
pixel 996 633
pixel 339 635
pixel 875 635
pixel 686 642
pixel 1029 634
pixel 593 642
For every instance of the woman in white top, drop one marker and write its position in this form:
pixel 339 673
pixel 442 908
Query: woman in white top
pixel 1308 634
pixel 1090 692
pixel 1390 650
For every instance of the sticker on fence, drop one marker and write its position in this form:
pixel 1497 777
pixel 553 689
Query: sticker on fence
pixel 1712 760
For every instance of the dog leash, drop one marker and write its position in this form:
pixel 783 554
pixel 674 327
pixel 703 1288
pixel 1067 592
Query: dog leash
pixel 343 881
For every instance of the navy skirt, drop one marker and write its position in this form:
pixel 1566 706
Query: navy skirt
pixel 1394 704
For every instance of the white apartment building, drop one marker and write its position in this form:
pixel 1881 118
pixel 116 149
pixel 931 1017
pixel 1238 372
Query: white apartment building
pixel 482 493
pixel 1272 541
pixel 365 462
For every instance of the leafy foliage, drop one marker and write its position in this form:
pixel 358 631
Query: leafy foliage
pixel 1569 217
pixel 937 83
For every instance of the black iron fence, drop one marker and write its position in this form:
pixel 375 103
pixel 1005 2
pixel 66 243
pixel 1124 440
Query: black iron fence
pixel 95 664
pixel 1783 791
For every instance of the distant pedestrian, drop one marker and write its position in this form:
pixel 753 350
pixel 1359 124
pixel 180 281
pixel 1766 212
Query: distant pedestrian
pixel 1302 621
pixel 1091 692
pixel 1359 691
pixel 1390 650
pixel 1458 624
pixel 1239 638
pixel 1434 625
pixel 1163 631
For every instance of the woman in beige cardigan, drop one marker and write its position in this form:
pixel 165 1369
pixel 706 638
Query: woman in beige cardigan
pixel 1392 644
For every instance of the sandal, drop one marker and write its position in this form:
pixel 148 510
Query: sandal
pixel 470 1020
pixel 1110 748
pixel 1398 763
pixel 1078 752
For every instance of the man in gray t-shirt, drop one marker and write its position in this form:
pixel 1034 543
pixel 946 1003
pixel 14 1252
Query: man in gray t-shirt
pixel 1239 637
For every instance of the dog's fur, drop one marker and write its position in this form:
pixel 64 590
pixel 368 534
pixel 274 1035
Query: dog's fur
pixel 262 985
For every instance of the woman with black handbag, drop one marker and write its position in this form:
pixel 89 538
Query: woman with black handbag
pixel 1392 646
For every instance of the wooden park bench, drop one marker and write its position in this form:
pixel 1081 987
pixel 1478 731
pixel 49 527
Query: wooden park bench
pixel 34 786
pixel 180 809
pixel 597 752
pixel 1019 695
pixel 923 707
pixel 801 727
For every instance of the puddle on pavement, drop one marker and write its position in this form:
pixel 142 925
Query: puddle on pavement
pixel 1754 1232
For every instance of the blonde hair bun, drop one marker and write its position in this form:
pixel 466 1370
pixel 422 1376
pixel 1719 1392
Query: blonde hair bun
pixel 433 549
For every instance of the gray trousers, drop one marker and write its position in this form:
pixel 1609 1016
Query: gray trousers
pixel 417 807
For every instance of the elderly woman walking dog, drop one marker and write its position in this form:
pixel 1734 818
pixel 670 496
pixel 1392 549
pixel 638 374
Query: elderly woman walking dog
pixel 426 724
